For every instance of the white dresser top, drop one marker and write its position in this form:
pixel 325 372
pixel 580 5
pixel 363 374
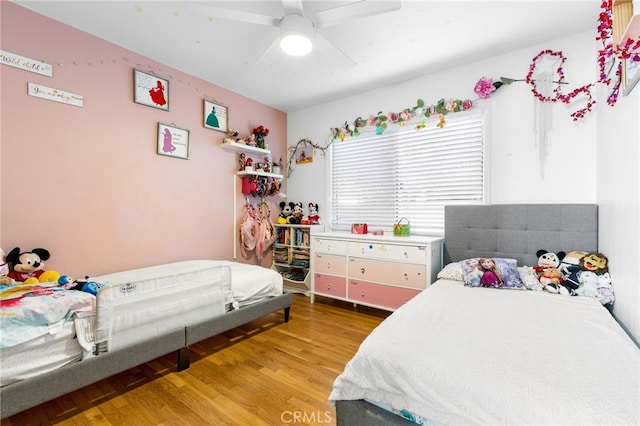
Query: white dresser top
pixel 386 239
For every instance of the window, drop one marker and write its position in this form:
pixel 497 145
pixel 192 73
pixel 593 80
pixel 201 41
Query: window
pixel 379 179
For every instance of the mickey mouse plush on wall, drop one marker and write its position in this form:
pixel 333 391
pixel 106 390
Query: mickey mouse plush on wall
pixel 26 265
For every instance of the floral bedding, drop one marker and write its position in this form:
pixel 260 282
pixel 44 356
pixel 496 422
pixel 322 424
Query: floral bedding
pixel 28 311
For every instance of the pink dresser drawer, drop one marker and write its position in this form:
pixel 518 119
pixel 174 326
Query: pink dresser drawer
pixel 330 264
pixel 403 274
pixel 330 285
pixel 380 295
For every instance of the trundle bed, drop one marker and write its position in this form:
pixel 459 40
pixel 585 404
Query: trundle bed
pixel 457 354
pixel 137 316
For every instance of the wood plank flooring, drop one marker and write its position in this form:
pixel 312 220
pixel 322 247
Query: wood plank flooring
pixel 266 372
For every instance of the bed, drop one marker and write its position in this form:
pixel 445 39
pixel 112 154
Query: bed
pixel 136 316
pixel 457 354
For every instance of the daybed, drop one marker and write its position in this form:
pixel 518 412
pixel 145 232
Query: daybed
pixel 457 354
pixel 140 315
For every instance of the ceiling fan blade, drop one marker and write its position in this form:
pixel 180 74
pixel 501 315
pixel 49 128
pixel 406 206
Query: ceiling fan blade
pixel 330 50
pixel 352 11
pixel 215 12
pixel 263 59
pixel 292 6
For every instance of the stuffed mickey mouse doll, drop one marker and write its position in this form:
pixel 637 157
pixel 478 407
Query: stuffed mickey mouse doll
pixel 28 264
pixel 548 273
pixel 286 211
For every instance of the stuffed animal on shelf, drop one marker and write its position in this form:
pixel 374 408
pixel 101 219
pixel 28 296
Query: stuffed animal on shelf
pixel 286 211
pixel 312 215
pixel 296 217
pixel 27 266
pixel 232 136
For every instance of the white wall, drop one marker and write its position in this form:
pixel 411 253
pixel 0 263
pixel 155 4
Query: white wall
pixel 514 172
pixel 618 189
pixel 594 160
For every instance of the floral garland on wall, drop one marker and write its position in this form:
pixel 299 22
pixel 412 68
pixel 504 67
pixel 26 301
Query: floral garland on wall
pixel 485 87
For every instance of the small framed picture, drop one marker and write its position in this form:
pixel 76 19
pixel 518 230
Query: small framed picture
pixel 631 74
pixel 304 153
pixel 215 116
pixel 150 90
pixel 173 141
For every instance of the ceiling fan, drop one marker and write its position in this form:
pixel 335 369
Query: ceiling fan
pixel 300 30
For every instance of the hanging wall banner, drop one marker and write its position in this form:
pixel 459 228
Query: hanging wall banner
pixel 55 95
pixel 26 64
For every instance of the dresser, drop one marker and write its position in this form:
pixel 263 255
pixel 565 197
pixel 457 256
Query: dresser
pixel 379 271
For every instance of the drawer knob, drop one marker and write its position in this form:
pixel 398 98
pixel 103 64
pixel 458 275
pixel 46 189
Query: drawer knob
pixel 362 293
pixel 362 270
pixel 406 276
pixel 328 286
pixel 406 255
pixel 328 265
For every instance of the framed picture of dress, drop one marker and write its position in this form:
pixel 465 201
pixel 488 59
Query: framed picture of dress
pixel 150 90
pixel 215 116
pixel 173 141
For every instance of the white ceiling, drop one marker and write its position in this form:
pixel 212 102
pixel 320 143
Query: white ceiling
pixel 420 38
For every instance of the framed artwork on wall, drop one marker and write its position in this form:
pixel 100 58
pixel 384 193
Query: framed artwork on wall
pixel 631 73
pixel 173 141
pixel 304 153
pixel 215 116
pixel 150 90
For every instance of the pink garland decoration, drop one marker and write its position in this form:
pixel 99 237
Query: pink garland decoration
pixel 625 52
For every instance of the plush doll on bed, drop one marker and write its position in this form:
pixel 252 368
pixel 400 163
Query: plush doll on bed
pixel 27 266
pixel 578 261
pixel 5 280
pixel 548 271
pixel 587 274
pixel 85 285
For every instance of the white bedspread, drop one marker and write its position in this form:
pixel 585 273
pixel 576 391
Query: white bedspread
pixel 252 283
pixel 460 355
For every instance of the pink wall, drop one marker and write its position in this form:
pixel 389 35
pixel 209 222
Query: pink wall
pixel 86 183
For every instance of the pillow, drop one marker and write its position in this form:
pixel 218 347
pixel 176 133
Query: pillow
pixel 453 271
pixel 530 278
pixel 491 272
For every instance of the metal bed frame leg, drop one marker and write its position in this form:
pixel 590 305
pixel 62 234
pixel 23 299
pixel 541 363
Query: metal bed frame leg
pixel 184 358
pixel 286 314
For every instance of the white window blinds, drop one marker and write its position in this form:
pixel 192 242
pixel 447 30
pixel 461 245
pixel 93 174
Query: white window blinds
pixel 379 179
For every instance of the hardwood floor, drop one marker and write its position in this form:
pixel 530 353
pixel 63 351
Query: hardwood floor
pixel 264 373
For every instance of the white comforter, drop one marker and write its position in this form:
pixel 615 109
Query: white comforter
pixel 460 355
pixel 252 283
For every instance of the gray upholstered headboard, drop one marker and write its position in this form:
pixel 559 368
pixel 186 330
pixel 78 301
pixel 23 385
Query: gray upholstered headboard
pixel 518 231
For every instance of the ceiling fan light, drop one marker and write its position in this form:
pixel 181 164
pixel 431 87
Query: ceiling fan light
pixel 296 44
pixel 296 33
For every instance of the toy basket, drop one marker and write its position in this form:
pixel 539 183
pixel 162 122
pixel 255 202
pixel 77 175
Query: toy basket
pixel 401 228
